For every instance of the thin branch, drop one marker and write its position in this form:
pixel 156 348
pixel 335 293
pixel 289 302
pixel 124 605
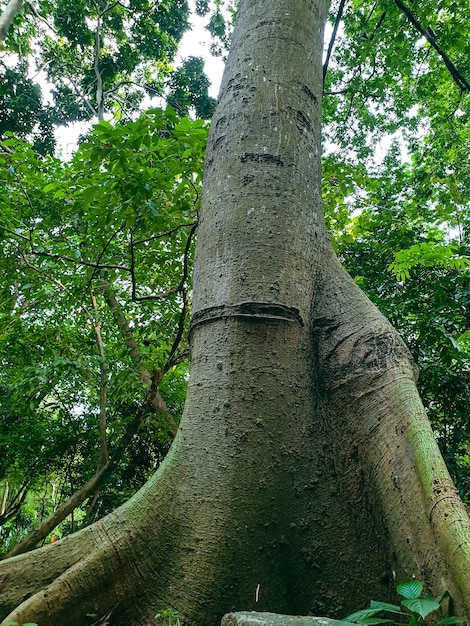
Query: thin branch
pixel 101 254
pixel 150 382
pixel 184 309
pixel 135 297
pixel 96 67
pixel 10 511
pixel 96 265
pixel 6 492
pixel 6 149
pixel 339 16
pixel 459 79
pixel 371 12
pixel 56 282
pixel 103 454
pixel 340 92
pixel 132 254
pixel 110 7
pixel 145 88
pixel 81 96
pixel 378 25
pixel 180 286
pixel 167 234
pixel 90 506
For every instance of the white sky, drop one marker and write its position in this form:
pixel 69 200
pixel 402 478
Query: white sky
pixel 196 43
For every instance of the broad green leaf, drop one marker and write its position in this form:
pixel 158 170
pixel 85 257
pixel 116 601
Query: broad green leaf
pixel 385 606
pixel 422 606
pixel 366 616
pixel 410 590
pixel 366 620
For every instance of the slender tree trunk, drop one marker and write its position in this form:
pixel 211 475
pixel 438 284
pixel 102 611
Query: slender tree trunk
pixel 10 506
pixel 304 476
pixel 40 532
pixel 149 382
pixel 9 13
pixel 106 464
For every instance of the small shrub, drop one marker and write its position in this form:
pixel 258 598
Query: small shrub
pixel 413 610
pixel 169 617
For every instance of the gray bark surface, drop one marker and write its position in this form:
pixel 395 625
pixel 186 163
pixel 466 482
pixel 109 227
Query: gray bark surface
pixel 9 13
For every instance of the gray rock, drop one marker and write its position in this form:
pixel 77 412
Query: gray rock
pixel 253 618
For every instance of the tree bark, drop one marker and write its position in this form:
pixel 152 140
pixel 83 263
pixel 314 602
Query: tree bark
pixel 9 13
pixel 304 477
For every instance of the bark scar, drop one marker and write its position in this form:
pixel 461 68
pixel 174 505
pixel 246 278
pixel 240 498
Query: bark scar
pixel 309 93
pixel 261 158
pixel 249 310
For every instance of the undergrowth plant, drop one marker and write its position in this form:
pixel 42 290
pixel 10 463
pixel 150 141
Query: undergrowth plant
pixel 169 617
pixel 413 609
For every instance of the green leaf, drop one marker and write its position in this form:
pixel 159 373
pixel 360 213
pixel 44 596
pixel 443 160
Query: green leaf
pixel 366 620
pixel 87 197
pixel 422 606
pixel 452 620
pixel 385 606
pixel 410 590
pixel 366 616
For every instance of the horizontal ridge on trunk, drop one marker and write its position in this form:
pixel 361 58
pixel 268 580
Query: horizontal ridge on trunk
pixel 249 310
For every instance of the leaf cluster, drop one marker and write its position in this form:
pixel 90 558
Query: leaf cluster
pixel 417 608
pixel 97 58
pixel 121 213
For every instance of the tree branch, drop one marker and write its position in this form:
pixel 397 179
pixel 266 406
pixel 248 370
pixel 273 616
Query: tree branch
pixel 184 310
pixel 378 25
pixel 9 511
pixel 6 18
pixel 178 288
pixel 60 257
pixel 150 382
pixel 103 454
pixel 459 79
pixel 331 44
pixel 6 149
pixel 167 234
pixel 56 282
pixel 96 67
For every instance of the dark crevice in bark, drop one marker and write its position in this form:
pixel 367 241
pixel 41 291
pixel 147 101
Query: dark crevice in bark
pixel 262 158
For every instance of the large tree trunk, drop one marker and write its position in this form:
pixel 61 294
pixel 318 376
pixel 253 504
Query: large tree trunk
pixel 304 476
